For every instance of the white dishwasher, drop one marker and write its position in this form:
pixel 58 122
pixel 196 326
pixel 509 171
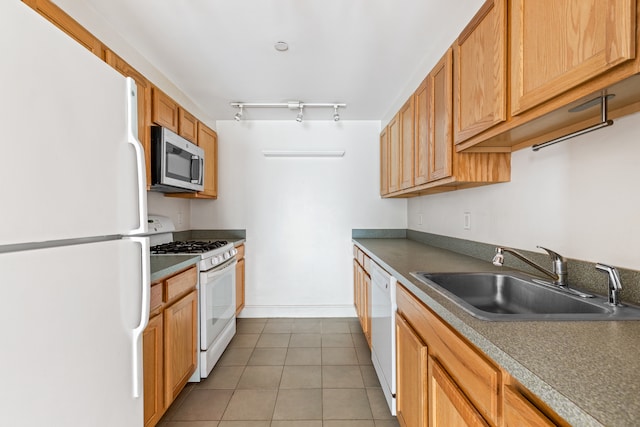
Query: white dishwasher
pixel 383 331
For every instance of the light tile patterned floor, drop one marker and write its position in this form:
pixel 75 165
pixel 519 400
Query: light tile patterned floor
pixel 288 373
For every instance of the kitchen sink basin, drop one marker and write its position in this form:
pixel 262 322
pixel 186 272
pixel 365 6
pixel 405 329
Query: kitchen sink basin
pixel 515 296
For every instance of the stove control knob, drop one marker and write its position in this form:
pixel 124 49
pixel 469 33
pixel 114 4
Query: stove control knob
pixel 226 255
pixel 233 251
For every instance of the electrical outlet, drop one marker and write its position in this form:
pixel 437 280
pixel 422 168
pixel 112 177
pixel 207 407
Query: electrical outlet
pixel 467 220
pixel 179 218
pixel 419 219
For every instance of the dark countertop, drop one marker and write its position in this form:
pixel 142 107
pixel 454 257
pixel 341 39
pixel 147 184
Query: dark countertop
pixel 166 265
pixel 588 372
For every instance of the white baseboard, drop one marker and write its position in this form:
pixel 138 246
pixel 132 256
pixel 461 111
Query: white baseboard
pixel 298 311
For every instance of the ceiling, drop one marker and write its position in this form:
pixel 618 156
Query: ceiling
pixel 368 54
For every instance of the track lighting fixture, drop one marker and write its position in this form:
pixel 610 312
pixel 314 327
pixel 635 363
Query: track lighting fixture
pixel 238 115
pixel 291 105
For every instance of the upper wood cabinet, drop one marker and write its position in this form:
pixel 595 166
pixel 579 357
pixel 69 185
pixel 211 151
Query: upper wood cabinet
pixel 187 125
pixel 480 58
pixel 406 118
pixel 67 24
pixel 164 110
pixel 144 104
pixel 557 45
pixel 395 154
pixel 208 141
pixel 421 134
pixel 384 162
pixel 439 152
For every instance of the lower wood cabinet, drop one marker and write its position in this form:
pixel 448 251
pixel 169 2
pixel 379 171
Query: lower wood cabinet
pixel 240 279
pixel 362 291
pixel 443 380
pixel 169 342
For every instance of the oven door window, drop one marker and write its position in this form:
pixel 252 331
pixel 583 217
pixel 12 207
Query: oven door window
pixel 181 165
pixel 218 302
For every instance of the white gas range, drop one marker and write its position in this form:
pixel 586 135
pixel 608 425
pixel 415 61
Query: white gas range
pixel 216 288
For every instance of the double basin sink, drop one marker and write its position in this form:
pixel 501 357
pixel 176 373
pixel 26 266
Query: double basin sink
pixel 515 296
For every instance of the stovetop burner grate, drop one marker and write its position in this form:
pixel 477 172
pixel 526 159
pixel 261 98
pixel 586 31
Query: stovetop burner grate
pixel 188 247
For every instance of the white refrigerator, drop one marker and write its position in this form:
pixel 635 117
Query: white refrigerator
pixel 74 278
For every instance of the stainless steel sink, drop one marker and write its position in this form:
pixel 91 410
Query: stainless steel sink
pixel 515 296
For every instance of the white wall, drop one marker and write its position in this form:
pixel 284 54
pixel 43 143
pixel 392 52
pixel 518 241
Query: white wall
pixel 580 197
pixel 298 212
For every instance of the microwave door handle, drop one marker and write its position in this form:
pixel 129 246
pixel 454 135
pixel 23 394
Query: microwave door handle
pixel 196 167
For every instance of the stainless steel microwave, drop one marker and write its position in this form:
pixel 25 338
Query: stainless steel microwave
pixel 177 165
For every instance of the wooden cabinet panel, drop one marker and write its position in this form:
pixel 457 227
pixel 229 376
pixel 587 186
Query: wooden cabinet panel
pixel 67 24
pixel 152 353
pixel 519 412
pixel 144 105
pixel 181 344
pixel 164 111
pixel 240 285
pixel 395 154
pixel 157 296
pixel 421 133
pixel 449 406
pixel 556 46
pixel 384 162
pixel 181 283
pixel 187 125
pixel 480 72
pixel 411 379
pixel 473 373
pixel 208 141
pixel 362 295
pixel 405 116
pixel 440 144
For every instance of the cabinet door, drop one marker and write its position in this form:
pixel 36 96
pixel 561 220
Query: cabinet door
pixel 411 360
pixel 208 141
pixel 557 45
pixel 239 285
pixel 440 137
pixel 480 72
pixel 180 343
pixel 152 351
pixel 406 144
pixel 164 110
pixel 421 133
pixel 366 304
pixel 384 162
pixel 448 404
pixel 519 412
pixel 187 125
pixel 144 105
pixel 395 155
pixel 67 24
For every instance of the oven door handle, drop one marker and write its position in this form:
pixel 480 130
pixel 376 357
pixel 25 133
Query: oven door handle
pixel 220 270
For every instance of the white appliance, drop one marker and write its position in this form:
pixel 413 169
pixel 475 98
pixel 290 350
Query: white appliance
pixel 383 331
pixel 75 288
pixel 217 288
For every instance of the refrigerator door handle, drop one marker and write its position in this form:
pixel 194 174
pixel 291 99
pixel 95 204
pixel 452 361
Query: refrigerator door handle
pixel 132 138
pixel 144 316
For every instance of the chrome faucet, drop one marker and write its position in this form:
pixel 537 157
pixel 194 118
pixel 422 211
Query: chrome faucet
pixel 615 284
pixel 558 274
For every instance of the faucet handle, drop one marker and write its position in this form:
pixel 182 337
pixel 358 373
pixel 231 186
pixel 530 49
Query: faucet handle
pixel 554 255
pixel 615 284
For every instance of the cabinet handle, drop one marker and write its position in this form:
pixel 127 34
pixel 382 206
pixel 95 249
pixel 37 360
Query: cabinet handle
pixel 136 333
pixel 132 138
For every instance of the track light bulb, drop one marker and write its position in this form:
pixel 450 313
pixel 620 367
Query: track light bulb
pixel 299 116
pixel 336 116
pixel 238 115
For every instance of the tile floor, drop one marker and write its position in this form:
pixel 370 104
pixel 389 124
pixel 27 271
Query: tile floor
pixel 288 373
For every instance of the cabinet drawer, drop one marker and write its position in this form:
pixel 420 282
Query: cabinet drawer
pixel 471 370
pixel 182 282
pixel 156 296
pixel 240 253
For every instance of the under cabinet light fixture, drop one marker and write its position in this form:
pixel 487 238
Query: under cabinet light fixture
pixel 291 105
